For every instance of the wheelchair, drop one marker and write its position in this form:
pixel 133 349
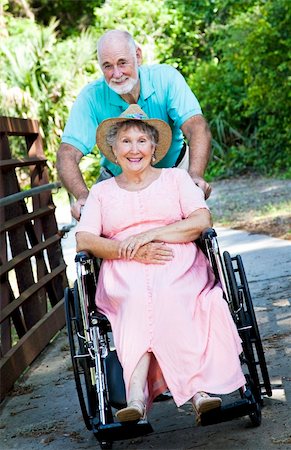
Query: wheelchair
pixel 98 373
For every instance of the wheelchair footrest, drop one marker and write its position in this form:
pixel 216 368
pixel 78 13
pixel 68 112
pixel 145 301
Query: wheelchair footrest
pixel 121 430
pixel 229 412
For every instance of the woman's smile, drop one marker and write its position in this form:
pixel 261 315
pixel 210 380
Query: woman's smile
pixel 134 160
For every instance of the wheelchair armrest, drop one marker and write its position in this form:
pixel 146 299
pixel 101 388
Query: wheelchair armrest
pixel 83 257
pixel 208 233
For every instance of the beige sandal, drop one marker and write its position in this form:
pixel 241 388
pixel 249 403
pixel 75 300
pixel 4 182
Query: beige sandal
pixel 202 402
pixel 134 411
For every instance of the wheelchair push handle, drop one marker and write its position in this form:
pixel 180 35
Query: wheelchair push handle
pixel 208 233
pixel 82 257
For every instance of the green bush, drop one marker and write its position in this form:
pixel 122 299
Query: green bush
pixel 246 87
pixel 42 75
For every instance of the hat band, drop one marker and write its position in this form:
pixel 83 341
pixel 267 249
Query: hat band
pixel 134 116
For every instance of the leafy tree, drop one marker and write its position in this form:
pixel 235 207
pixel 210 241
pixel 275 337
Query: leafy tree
pixel 245 85
pixel 189 35
pixel 144 19
pixel 264 61
pixel 73 16
pixel 42 76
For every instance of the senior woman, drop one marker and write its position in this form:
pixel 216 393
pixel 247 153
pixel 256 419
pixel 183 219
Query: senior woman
pixel 171 326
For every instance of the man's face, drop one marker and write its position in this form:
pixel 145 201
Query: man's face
pixel 119 66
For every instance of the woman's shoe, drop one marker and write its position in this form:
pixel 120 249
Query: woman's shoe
pixel 134 411
pixel 202 402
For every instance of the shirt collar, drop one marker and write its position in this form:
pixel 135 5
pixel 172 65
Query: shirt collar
pixel 146 85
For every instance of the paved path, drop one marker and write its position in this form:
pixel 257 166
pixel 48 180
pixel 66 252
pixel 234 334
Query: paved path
pixel 46 413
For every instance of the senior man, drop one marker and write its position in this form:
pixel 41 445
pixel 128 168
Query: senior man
pixel 160 90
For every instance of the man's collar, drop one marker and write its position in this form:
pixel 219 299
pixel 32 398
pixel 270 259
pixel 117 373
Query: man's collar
pixel 146 86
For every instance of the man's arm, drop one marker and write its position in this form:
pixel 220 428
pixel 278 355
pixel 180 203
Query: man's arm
pixel 197 132
pixel 68 159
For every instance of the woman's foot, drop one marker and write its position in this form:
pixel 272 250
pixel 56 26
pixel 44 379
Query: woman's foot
pixel 202 402
pixel 134 411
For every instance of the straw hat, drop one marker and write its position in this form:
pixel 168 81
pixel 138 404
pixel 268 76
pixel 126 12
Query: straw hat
pixel 134 112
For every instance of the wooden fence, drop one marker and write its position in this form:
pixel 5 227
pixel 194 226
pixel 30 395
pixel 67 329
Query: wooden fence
pixel 32 268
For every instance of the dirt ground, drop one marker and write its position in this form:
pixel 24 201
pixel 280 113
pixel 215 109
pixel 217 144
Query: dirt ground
pixel 255 204
pixel 43 410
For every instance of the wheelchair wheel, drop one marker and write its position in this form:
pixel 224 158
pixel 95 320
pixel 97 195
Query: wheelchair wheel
pixel 88 364
pixel 245 319
pixel 256 415
pixel 81 365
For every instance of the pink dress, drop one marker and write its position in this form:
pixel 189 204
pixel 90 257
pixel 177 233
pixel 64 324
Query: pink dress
pixel 176 310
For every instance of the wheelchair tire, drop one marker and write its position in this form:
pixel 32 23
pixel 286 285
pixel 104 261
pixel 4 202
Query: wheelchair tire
pixel 81 366
pixel 89 393
pixel 256 415
pixel 257 337
pixel 245 319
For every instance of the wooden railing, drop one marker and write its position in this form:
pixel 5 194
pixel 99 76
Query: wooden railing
pixel 32 268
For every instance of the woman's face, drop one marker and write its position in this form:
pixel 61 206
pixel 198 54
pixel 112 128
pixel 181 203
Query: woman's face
pixel 133 149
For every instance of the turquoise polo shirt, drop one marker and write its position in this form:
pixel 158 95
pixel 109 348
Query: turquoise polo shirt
pixel 164 94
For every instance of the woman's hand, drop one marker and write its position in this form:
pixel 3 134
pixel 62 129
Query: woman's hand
pixel 130 245
pixel 154 253
pixel 179 232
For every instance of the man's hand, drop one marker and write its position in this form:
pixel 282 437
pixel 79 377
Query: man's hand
pixel 76 208
pixel 198 135
pixel 206 188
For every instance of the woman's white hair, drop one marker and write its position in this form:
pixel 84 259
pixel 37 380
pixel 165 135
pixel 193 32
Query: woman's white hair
pixel 146 128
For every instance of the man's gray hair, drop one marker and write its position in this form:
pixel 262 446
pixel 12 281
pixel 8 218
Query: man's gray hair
pixel 118 35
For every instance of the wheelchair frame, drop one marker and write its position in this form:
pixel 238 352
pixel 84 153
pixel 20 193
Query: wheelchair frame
pixel 96 366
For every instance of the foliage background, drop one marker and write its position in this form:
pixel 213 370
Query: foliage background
pixel 234 55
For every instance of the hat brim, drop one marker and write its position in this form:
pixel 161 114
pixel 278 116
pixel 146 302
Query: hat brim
pixel 164 130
